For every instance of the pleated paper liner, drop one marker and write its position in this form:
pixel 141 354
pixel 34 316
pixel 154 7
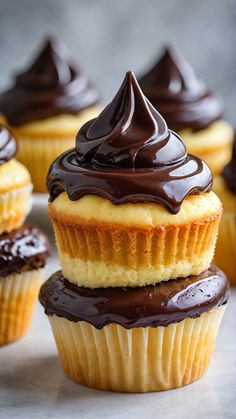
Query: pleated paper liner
pixel 103 256
pixel 225 256
pixel 18 296
pixel 139 359
pixel 37 154
pixel 14 207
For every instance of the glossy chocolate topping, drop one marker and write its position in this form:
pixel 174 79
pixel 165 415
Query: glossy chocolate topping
pixel 51 86
pixel 23 249
pixel 229 172
pixel 160 305
pixel 7 145
pixel 183 100
pixel 127 154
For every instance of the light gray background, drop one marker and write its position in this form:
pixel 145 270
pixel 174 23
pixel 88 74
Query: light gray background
pixel 107 37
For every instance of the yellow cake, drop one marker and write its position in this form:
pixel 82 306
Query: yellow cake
pixel 101 244
pixel 15 185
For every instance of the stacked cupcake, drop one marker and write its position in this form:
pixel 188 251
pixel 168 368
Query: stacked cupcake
pixel 45 108
pixel 23 249
pixel 137 304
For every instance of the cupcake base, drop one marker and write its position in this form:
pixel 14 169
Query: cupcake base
pixel 139 359
pixel 18 296
pixel 103 255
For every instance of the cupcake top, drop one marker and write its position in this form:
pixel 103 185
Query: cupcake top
pixel 183 100
pixel 8 145
pixel 229 171
pixel 25 249
pixel 159 305
pixel 51 86
pixel 127 154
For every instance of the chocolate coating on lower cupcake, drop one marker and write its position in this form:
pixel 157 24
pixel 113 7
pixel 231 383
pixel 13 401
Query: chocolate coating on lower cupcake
pixel 159 305
pixel 25 249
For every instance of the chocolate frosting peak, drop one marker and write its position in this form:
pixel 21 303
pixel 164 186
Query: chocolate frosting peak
pixel 52 85
pixel 129 133
pixel 127 154
pixel 159 305
pixel 173 88
pixel 229 171
pixel 8 145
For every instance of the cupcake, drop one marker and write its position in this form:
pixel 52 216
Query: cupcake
pixel 137 304
pixel 15 185
pixel 128 205
pixel 225 187
pixel 141 339
pixel 23 254
pixel 46 106
pixel 189 108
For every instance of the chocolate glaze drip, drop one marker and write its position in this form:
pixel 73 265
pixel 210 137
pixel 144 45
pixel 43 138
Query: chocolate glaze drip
pixel 229 171
pixel 184 101
pixel 51 86
pixel 8 146
pixel 23 249
pixel 127 154
pixel 159 305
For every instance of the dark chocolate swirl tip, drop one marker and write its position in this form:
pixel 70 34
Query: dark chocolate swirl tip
pixel 127 154
pixel 183 100
pixel 8 145
pixel 51 86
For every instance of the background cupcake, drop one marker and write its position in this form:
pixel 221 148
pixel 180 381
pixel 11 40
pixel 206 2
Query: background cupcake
pixel 225 187
pixel 23 254
pixel 132 213
pixel 46 106
pixel 15 185
pixel 189 108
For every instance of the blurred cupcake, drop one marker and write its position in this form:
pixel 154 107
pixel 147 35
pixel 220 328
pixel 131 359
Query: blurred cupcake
pixel 45 108
pixel 23 254
pixel 189 109
pixel 129 206
pixel 225 187
pixel 136 339
pixel 15 185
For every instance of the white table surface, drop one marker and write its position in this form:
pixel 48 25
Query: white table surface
pixel 33 385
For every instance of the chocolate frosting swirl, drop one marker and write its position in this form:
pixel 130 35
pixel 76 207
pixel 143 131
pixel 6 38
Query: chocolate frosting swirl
pixel 8 145
pixel 23 249
pixel 51 86
pixel 127 154
pixel 183 100
pixel 229 171
pixel 159 305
